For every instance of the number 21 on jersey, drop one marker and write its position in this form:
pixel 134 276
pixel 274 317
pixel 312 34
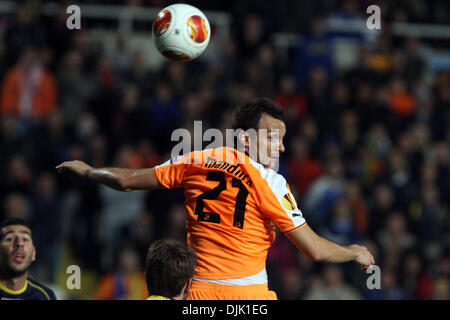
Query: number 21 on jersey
pixel 213 194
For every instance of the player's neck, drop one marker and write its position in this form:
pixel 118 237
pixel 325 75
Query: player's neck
pixel 180 297
pixel 15 284
pixel 254 156
pixel 184 292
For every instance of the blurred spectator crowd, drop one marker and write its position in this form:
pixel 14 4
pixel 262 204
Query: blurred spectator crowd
pixel 368 150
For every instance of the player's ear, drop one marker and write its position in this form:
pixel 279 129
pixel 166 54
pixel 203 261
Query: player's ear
pixel 186 288
pixel 33 258
pixel 243 138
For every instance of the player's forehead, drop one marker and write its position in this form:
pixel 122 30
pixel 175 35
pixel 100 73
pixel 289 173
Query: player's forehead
pixel 271 124
pixel 15 229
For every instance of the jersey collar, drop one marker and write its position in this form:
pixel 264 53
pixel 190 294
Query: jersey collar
pixel 156 297
pixel 14 292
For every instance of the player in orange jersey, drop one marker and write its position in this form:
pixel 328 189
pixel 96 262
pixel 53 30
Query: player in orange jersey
pixel 232 200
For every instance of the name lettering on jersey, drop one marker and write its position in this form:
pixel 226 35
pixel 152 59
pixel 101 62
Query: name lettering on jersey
pixel 235 170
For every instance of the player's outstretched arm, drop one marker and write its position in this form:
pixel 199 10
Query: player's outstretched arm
pixel 322 250
pixel 120 179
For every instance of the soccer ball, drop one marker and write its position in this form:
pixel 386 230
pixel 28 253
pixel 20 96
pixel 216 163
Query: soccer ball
pixel 181 32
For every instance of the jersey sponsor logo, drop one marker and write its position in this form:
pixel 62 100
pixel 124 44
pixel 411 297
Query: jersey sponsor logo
pixel 288 202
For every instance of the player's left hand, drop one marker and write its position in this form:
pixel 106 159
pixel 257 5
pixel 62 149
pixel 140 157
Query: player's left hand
pixel 363 256
pixel 79 167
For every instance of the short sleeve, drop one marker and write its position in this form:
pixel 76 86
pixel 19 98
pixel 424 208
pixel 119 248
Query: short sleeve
pixel 277 202
pixel 171 173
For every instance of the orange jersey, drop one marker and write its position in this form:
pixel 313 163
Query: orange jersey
pixel 231 202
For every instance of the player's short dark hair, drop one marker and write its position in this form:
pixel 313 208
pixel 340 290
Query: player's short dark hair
pixel 246 116
pixel 12 221
pixel 169 266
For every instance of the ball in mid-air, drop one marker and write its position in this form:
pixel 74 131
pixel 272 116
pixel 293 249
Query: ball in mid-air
pixel 181 32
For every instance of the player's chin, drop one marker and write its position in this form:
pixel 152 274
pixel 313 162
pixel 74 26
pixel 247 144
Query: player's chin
pixel 270 164
pixel 15 272
pixel 20 267
pixel 273 162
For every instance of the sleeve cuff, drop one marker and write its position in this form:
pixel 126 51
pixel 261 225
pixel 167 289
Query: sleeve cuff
pixel 300 226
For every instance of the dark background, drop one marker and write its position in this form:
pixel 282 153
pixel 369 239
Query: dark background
pixel 367 147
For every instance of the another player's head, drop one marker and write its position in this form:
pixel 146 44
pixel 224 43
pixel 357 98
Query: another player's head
pixel 17 250
pixel 169 269
pixel 266 118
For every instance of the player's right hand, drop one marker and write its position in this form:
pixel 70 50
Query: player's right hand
pixel 79 167
pixel 363 256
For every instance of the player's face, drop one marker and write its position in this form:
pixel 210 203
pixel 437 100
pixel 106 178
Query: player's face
pixel 16 249
pixel 270 140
